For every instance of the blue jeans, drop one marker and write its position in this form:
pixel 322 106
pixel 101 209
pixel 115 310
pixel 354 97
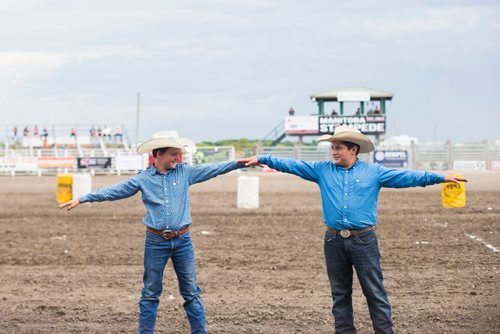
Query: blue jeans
pixel 362 253
pixel 157 251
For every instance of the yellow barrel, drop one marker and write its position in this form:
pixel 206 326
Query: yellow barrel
pixel 452 194
pixel 64 188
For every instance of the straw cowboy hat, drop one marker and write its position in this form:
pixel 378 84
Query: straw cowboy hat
pixel 346 133
pixel 166 139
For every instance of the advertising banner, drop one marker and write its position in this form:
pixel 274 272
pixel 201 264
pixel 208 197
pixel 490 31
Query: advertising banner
pixel 391 158
pixel 495 165
pixel 18 164
pixel 469 165
pixel 353 96
pixel 56 162
pixel 368 125
pixel 94 163
pixel 298 125
pixel 129 162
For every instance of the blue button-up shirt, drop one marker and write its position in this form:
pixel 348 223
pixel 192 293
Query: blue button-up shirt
pixel 165 196
pixel 349 196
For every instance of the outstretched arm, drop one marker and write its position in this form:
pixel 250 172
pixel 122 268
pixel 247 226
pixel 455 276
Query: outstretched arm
pixel 201 173
pixel 303 169
pixel 121 190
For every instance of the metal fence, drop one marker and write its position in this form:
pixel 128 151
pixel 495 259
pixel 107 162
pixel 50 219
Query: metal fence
pixel 425 156
pixel 39 161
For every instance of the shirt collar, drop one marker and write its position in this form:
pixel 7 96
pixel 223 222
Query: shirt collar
pixel 356 164
pixel 153 170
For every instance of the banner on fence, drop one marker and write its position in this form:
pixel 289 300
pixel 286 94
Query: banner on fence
pixel 130 162
pixel 495 165
pixel 391 158
pixel 469 165
pixel 18 164
pixel 56 162
pixel 94 163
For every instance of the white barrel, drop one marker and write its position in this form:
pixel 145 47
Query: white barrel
pixel 82 184
pixel 248 192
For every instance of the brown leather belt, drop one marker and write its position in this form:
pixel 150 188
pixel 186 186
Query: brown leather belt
pixel 168 234
pixel 349 233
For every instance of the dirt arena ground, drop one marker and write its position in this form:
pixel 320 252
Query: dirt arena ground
pixel 261 271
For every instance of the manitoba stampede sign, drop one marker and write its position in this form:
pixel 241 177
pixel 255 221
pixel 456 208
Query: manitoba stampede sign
pixel 368 125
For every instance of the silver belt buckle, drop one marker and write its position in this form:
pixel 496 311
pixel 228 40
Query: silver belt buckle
pixel 345 234
pixel 165 232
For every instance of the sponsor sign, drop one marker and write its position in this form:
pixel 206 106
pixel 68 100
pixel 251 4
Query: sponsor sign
pixel 129 162
pixel 368 125
pixel 391 158
pixel 432 165
pixel 18 164
pixel 56 162
pixel 353 96
pixel 469 165
pixel 297 125
pixel 94 162
pixel 495 165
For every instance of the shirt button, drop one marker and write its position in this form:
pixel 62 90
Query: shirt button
pixel 345 181
pixel 345 194
pixel 165 188
pixel 345 219
pixel 345 207
pixel 174 183
pixel 168 214
pixel 167 200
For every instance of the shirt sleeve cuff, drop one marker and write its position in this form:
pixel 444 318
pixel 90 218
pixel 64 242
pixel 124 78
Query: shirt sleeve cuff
pixel 84 199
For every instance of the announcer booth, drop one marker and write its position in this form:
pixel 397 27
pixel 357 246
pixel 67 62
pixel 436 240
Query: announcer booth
pixel 369 118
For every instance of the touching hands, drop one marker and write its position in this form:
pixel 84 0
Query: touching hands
pixel 454 179
pixel 70 205
pixel 252 161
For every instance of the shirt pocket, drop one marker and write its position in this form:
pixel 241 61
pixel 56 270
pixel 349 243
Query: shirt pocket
pixel 361 188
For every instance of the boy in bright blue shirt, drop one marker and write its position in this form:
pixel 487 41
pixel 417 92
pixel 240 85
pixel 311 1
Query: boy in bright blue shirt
pixel 349 192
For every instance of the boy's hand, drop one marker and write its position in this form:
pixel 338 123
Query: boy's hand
pixel 454 179
pixel 252 161
pixel 70 205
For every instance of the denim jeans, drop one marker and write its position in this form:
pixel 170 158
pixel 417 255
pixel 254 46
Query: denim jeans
pixel 157 251
pixel 361 252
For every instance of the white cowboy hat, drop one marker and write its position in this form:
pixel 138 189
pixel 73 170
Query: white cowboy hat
pixel 166 139
pixel 346 133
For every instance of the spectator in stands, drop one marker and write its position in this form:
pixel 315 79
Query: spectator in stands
pixel 291 112
pixel 35 131
pixel 99 132
pixel 358 111
pixel 334 113
pixel 376 111
pixel 72 133
pixel 44 136
pixel 106 132
pixel 14 133
pixel 118 134
pixel 165 188
pixel 349 191
pixel 26 131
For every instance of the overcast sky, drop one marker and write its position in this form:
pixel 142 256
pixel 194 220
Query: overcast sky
pixel 218 69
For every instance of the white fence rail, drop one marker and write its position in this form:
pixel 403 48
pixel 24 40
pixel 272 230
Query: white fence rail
pixel 30 161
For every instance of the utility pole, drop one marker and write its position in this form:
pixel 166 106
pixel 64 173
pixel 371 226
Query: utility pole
pixel 137 119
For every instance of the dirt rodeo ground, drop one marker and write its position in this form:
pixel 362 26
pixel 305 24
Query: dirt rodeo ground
pixel 260 271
